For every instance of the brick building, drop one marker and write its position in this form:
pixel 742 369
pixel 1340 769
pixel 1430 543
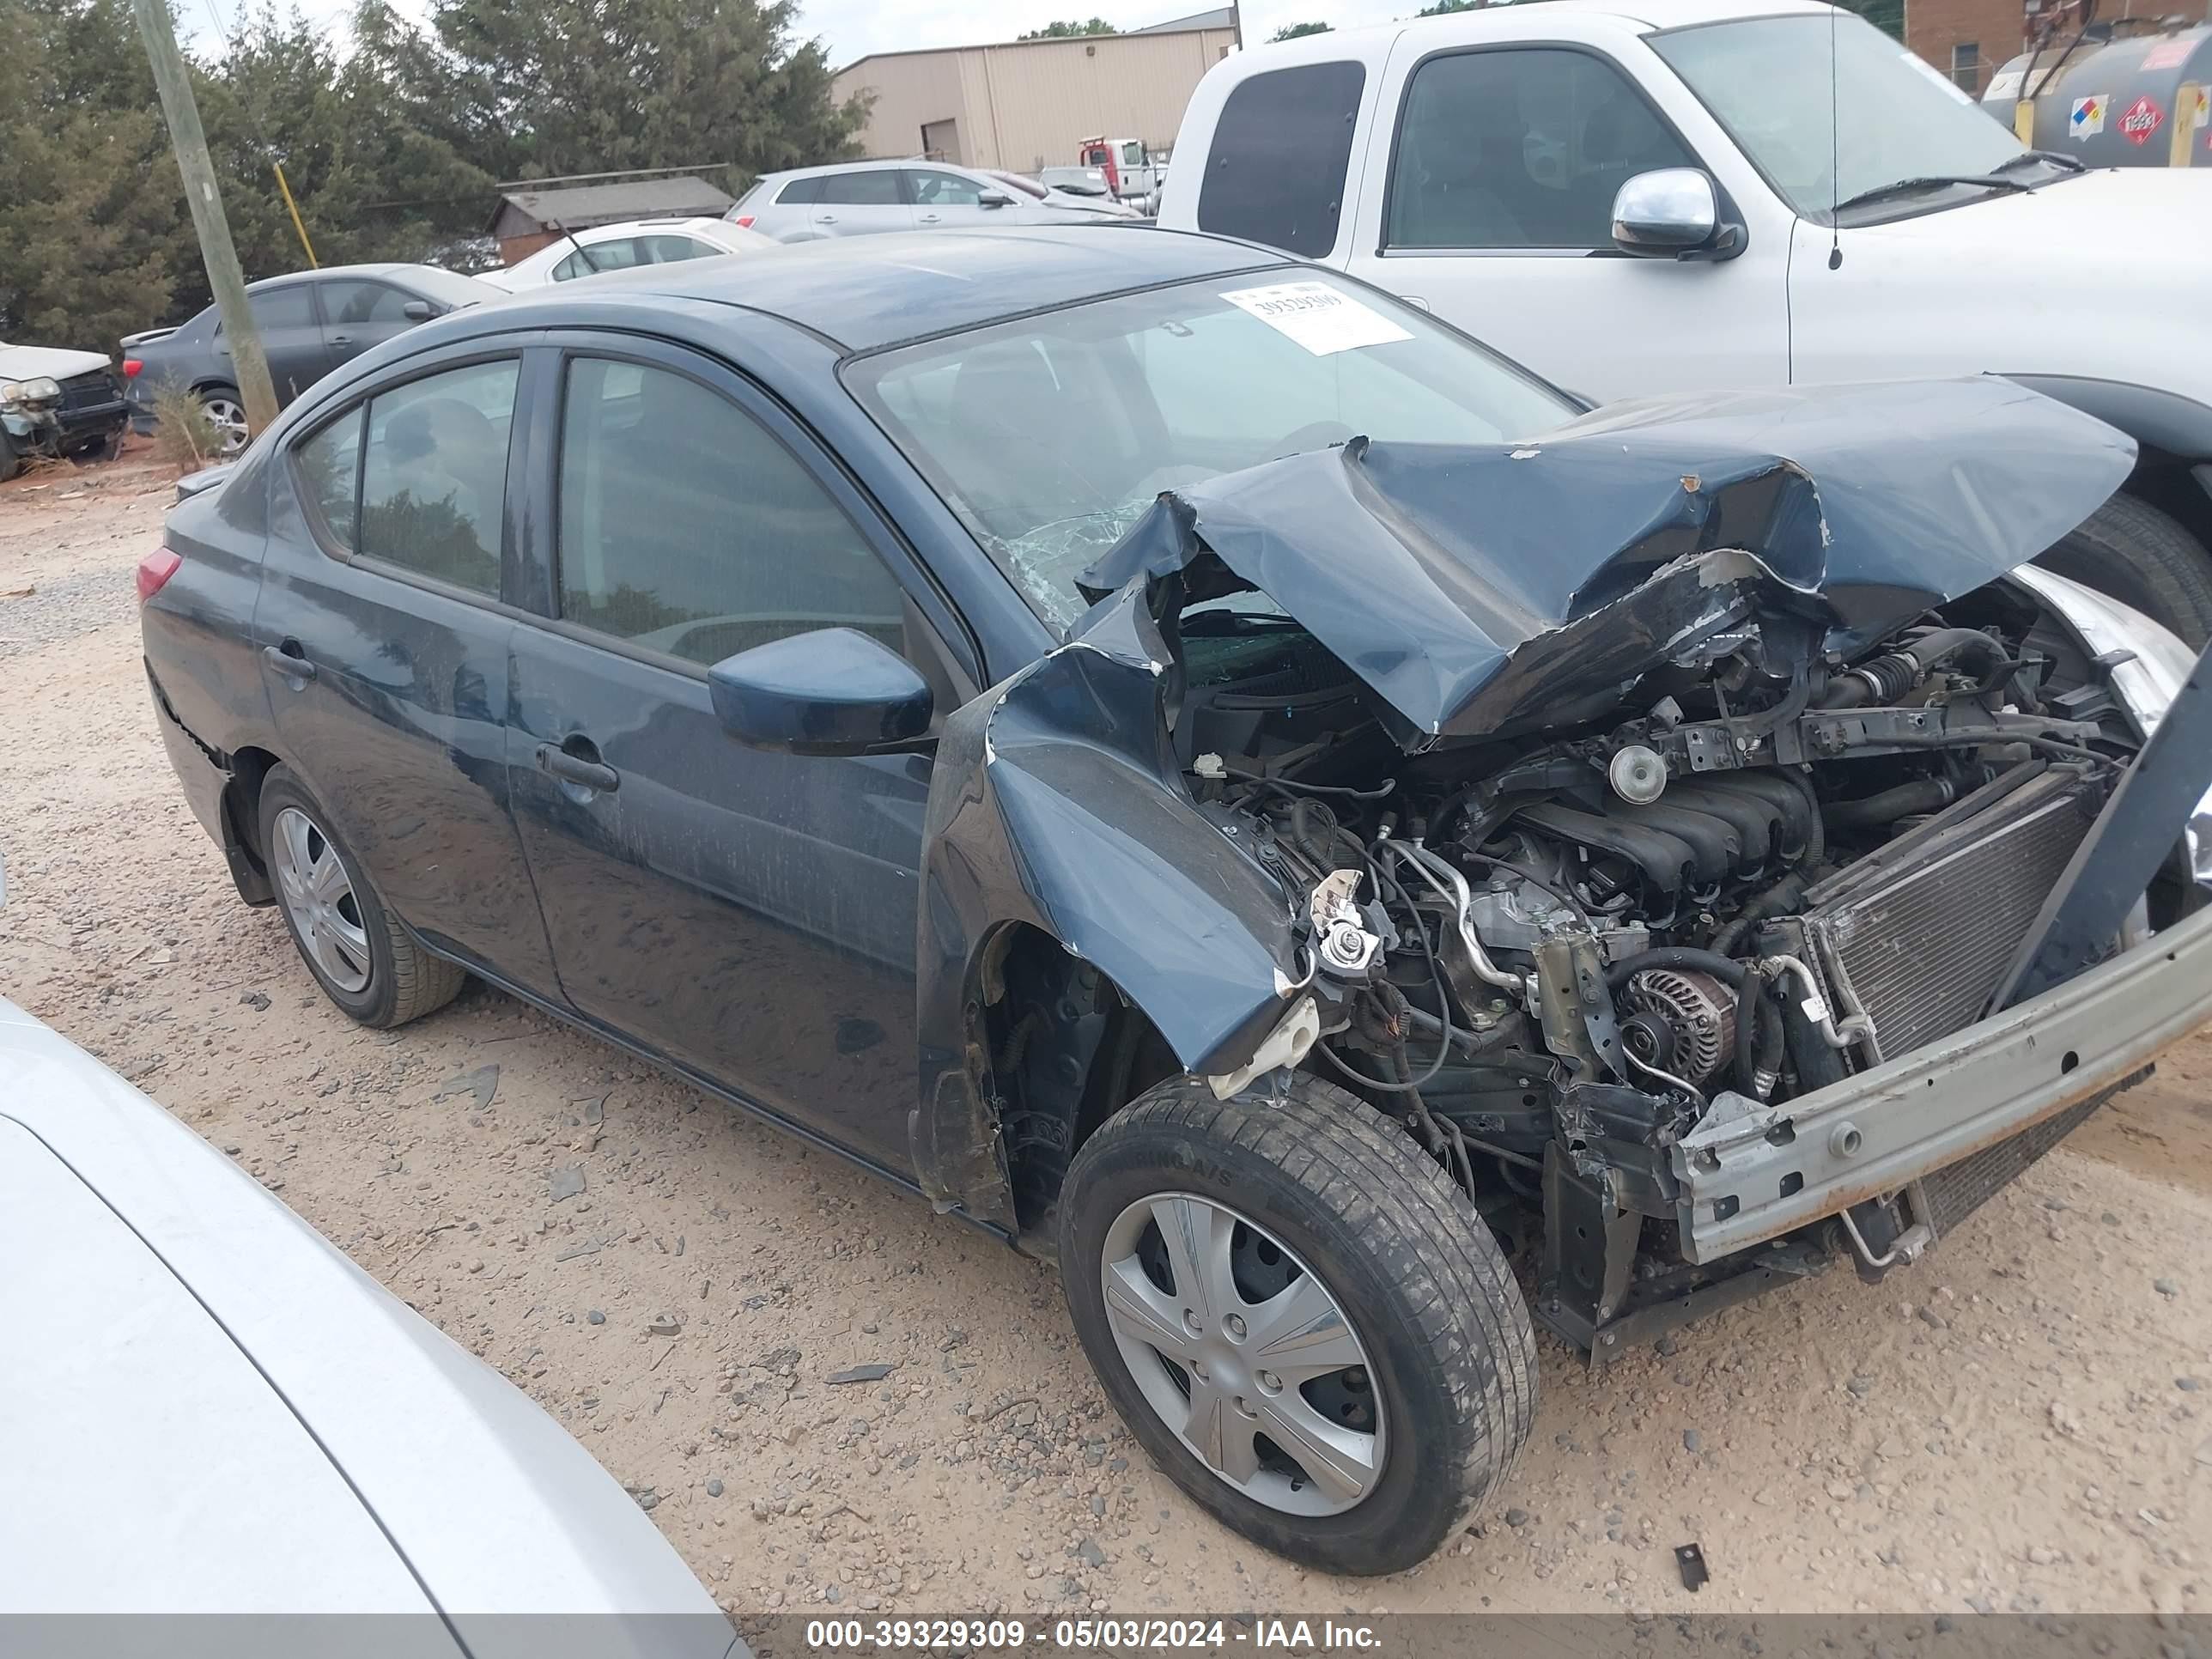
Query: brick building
pixel 1966 40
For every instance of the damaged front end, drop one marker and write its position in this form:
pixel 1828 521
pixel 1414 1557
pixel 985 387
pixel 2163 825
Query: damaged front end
pixel 1583 805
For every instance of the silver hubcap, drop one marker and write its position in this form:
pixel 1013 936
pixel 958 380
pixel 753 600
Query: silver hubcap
pixel 229 422
pixel 1243 1353
pixel 319 899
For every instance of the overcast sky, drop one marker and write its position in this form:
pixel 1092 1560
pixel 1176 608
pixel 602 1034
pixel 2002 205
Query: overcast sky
pixel 853 28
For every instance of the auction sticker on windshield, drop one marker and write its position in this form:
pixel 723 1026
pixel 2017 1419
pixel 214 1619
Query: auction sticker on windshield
pixel 1322 319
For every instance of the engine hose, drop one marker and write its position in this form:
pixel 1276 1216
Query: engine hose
pixel 1890 675
pixel 1757 1040
pixel 1921 795
pixel 1778 900
pixel 1618 973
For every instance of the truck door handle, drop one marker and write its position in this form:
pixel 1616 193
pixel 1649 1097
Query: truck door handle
pixel 579 770
pixel 291 664
pixel 825 218
pixel 929 218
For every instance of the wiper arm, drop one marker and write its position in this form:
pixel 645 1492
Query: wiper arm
pixel 1931 181
pixel 2058 159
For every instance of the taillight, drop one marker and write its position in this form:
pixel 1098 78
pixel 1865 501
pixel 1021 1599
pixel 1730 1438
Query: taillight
pixel 155 568
pixel 131 367
pixel 742 221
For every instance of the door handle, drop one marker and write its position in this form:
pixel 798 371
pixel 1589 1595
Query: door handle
pixel 340 339
pixel 576 770
pixel 825 218
pixel 929 219
pixel 290 663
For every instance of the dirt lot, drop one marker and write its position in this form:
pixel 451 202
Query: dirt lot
pixel 2021 1422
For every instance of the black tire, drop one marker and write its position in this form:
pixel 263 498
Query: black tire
pixel 2140 556
pixel 1452 1357
pixel 10 465
pixel 405 981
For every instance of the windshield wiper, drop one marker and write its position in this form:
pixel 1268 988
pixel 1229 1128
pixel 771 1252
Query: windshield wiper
pixel 2071 163
pixel 1929 181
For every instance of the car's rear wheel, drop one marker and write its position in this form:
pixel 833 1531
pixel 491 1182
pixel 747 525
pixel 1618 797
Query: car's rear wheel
pixel 1300 1317
pixel 2140 556
pixel 364 960
pixel 9 464
pixel 226 412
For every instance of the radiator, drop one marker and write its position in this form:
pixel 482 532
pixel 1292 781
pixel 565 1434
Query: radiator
pixel 1950 1195
pixel 1920 932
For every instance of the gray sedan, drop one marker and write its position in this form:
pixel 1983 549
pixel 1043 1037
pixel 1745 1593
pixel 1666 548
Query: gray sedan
pixel 859 198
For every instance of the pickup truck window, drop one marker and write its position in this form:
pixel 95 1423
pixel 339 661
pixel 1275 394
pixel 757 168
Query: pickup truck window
pixel 1520 147
pixel 1280 151
pixel 1767 79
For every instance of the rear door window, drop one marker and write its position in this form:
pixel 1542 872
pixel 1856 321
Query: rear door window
pixel 1519 147
pixel 434 475
pixel 877 188
pixel 800 192
pixel 1281 152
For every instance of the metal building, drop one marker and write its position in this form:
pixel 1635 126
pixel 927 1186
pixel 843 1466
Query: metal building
pixel 1025 104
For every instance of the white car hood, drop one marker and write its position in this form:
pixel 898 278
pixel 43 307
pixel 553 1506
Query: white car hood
pixel 201 1387
pixel 2082 221
pixel 28 362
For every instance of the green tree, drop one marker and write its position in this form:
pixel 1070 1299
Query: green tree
pixel 1887 16
pixel 1063 31
pixel 1299 31
pixel 1445 7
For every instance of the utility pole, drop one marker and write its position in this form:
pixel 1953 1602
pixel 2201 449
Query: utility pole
pixel 218 252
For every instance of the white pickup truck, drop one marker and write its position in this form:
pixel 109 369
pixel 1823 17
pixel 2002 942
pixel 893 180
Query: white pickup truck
pixel 1645 196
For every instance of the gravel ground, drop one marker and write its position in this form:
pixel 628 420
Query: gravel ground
pixel 2021 1422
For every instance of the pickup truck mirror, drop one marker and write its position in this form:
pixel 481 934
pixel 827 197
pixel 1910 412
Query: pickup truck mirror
pixel 831 691
pixel 1669 213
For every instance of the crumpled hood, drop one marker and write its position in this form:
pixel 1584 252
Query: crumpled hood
pixel 28 362
pixel 1479 588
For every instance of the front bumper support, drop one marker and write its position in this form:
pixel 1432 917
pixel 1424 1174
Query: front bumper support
pixel 1752 1172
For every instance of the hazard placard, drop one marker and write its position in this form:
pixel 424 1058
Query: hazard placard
pixel 2142 120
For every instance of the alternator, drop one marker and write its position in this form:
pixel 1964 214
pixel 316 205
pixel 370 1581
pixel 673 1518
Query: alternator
pixel 1697 1008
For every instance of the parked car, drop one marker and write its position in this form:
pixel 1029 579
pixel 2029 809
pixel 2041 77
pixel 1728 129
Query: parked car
pixel 299 1440
pixel 1472 160
pixel 1074 201
pixel 1088 184
pixel 859 198
pixel 56 402
pixel 311 321
pixel 1326 814
pixel 620 247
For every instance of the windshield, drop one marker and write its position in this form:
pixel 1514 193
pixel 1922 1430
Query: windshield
pixel 1767 81
pixel 1051 435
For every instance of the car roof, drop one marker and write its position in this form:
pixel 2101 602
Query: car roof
pixel 865 292
pixel 1639 16
pixel 879 166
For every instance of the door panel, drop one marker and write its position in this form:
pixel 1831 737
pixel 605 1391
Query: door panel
pixel 358 314
pixel 1492 206
pixel 749 915
pixel 861 204
pixel 291 337
pixel 396 715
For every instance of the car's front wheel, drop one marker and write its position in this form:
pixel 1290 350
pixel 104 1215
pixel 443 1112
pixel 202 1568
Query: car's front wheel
pixel 364 960
pixel 2142 558
pixel 1300 1317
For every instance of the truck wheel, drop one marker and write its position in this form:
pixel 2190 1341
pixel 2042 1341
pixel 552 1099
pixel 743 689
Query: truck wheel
pixel 360 955
pixel 10 464
pixel 1300 1317
pixel 2139 555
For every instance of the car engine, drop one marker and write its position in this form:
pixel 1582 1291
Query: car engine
pixel 1765 867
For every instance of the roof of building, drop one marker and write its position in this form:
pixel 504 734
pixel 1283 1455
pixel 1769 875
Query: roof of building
pixel 864 292
pixel 578 207
pixel 1220 19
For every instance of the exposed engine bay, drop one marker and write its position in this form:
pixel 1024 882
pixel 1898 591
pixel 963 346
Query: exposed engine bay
pixel 1774 866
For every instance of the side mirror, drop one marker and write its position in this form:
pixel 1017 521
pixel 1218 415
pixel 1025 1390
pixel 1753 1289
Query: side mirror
pixel 991 199
pixel 418 311
pixel 833 691
pixel 1671 212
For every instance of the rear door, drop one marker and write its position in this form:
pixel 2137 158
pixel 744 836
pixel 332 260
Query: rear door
pixel 860 203
pixel 386 634
pixel 749 915
pixel 291 331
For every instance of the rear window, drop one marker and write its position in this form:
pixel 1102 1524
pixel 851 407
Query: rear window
pixel 800 192
pixel 1281 151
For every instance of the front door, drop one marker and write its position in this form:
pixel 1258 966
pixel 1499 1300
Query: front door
pixel 749 915
pixel 360 313
pixel 385 652
pixel 1492 206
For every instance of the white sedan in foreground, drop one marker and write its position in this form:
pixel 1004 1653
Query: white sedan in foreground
pixel 624 246
pixel 212 1410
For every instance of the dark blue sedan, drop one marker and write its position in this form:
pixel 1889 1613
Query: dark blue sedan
pixel 1105 727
